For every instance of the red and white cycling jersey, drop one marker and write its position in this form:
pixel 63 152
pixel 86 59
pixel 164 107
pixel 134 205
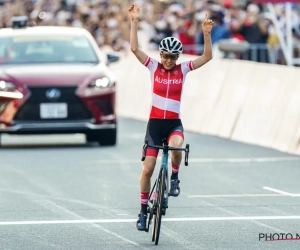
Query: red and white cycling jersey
pixel 167 88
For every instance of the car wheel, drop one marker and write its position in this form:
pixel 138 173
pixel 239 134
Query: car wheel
pixel 107 137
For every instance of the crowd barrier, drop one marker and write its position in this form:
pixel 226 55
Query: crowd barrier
pixel 250 102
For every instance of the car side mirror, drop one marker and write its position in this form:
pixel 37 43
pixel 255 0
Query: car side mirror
pixel 111 58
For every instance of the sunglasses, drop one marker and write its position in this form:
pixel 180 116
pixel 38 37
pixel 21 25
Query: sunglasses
pixel 170 56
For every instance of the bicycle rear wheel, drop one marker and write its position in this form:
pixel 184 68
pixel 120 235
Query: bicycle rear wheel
pixel 160 203
pixel 153 227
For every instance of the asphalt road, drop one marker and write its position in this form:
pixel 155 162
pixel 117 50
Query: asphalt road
pixel 56 192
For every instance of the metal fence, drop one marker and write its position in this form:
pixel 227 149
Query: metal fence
pixel 252 52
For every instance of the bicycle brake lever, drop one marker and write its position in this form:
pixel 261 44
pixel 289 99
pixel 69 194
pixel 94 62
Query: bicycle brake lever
pixel 144 150
pixel 187 150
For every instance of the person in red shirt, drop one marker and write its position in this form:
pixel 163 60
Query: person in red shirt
pixel 167 80
pixel 186 34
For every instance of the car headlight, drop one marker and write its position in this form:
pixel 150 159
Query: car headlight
pixel 7 86
pixel 9 90
pixel 100 83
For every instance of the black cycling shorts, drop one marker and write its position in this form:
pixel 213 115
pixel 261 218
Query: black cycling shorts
pixel 159 129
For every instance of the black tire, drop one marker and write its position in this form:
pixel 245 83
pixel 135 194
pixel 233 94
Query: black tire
pixel 107 137
pixel 91 137
pixel 152 217
pixel 160 201
pixel 153 227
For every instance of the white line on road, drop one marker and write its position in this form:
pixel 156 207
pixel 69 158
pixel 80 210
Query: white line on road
pixel 210 160
pixel 104 221
pixel 279 191
pixel 52 206
pixel 234 195
pixel 132 136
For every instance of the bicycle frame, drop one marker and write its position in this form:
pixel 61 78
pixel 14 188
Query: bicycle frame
pixel 164 165
pixel 160 187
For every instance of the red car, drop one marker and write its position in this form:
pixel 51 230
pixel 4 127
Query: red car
pixel 56 80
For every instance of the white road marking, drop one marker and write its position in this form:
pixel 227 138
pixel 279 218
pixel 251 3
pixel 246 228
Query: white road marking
pixel 106 221
pixel 132 136
pixel 232 213
pixel 209 160
pixel 234 195
pixel 279 191
pixel 58 207
pixel 64 138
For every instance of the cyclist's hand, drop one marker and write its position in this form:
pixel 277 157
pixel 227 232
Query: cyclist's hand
pixel 207 25
pixel 134 12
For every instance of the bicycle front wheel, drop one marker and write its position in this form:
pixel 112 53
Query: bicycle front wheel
pixel 160 203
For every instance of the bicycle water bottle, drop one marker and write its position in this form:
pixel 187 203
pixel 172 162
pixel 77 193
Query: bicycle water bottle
pixel 154 195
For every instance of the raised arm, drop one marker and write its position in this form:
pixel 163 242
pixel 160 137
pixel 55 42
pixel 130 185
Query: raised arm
pixel 207 54
pixel 134 13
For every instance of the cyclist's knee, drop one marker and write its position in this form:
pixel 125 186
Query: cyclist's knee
pixel 148 166
pixel 176 141
pixel 176 154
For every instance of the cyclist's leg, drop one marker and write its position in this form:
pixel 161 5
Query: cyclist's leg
pixel 176 139
pixel 145 185
pixel 145 179
pixel 147 171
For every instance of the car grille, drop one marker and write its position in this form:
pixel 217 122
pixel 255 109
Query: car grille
pixel 105 105
pixel 30 110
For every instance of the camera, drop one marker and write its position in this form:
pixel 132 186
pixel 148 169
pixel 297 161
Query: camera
pixel 19 22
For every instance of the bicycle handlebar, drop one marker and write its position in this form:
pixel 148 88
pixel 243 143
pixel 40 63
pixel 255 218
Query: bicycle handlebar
pixel 166 148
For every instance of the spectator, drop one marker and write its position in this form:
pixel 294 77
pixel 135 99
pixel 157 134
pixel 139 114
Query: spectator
pixel 220 30
pixel 108 22
pixel 254 30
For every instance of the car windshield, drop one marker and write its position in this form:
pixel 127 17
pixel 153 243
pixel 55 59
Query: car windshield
pixel 46 49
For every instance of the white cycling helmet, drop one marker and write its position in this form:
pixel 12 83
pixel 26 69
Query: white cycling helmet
pixel 171 45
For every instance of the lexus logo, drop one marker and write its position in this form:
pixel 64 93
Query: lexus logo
pixel 53 94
